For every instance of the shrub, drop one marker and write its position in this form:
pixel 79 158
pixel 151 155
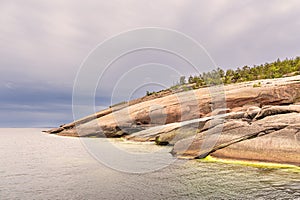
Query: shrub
pixel 257 84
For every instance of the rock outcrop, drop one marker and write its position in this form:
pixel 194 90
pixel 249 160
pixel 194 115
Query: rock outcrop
pixel 275 138
pixel 236 121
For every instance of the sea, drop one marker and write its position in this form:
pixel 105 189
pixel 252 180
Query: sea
pixel 36 165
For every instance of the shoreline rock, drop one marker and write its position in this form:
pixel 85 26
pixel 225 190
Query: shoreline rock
pixel 259 124
pixel 272 139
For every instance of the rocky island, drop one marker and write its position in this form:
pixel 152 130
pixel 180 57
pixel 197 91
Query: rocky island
pixel 257 123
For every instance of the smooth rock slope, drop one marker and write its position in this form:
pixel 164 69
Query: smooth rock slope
pixel 236 121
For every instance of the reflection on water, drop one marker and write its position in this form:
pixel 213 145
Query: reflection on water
pixel 34 165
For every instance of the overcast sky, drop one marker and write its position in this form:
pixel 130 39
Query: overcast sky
pixel 43 43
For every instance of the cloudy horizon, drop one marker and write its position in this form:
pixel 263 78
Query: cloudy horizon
pixel 43 44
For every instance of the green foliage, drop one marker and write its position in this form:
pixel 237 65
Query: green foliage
pixel 150 93
pixel 277 69
pixel 118 104
pixel 182 80
pixel 257 84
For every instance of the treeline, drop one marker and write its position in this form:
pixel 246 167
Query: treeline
pixel 277 69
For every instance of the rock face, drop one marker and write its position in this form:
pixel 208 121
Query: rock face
pixel 248 123
pixel 180 107
pixel 275 138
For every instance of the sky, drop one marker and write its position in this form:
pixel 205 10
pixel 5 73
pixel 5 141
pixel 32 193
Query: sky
pixel 43 44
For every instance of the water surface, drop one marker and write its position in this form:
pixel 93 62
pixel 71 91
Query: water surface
pixel 34 165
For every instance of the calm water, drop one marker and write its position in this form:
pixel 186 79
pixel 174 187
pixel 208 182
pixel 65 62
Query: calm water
pixel 34 165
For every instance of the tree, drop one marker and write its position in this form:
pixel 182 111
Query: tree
pixel 221 72
pixel 191 80
pixel 182 80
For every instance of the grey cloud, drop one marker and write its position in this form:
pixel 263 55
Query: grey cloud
pixel 37 104
pixel 245 32
pixel 43 43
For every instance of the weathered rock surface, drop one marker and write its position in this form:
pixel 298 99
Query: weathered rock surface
pixel 140 115
pixel 275 138
pixel 259 123
pixel 169 133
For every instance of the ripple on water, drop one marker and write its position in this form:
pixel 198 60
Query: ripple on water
pixel 38 166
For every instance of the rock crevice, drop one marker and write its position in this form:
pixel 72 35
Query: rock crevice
pixel 260 123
